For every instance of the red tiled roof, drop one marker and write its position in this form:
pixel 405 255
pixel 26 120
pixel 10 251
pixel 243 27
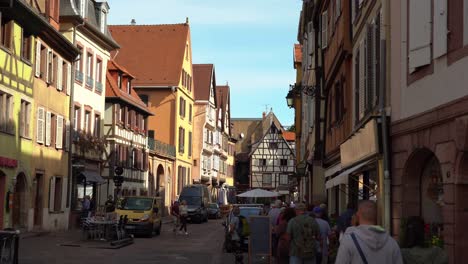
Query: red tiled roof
pixel 155 52
pixel 113 91
pixel 202 75
pixel 297 53
pixel 113 66
pixel 289 136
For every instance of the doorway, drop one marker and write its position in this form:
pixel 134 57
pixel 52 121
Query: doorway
pixel 38 196
pixel 20 213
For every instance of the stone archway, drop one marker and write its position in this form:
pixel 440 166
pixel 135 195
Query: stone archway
pixel 159 179
pixel 423 188
pixel 20 208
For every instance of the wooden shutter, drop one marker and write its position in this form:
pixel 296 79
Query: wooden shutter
pixel 40 125
pixel 59 133
pixel 440 27
pixel 59 74
pixel 48 128
pixel 38 59
pixel 51 193
pixel 370 66
pixel 48 62
pixel 64 194
pixel 69 79
pixel 324 30
pixel 362 79
pixel 420 26
pixel 67 135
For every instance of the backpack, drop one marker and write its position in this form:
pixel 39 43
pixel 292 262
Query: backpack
pixel 306 241
pixel 243 227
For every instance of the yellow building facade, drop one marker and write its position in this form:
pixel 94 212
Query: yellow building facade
pixel 16 100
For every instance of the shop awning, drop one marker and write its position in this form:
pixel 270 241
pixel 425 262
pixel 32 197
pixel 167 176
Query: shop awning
pixel 92 176
pixel 342 178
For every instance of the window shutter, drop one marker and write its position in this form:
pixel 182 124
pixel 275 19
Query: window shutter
pixel 51 193
pixel 362 79
pixel 419 33
pixel 67 135
pixel 40 125
pixel 337 9
pixel 64 194
pixel 59 74
pixel 370 66
pixel 38 59
pixel 59 133
pixel 69 78
pixel 440 28
pixel 324 30
pixel 48 128
pixel 48 60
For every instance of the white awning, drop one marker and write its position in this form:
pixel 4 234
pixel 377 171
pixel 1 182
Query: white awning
pixel 342 178
pixel 332 170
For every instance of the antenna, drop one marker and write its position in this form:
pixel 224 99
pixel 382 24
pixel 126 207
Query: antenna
pixel 133 22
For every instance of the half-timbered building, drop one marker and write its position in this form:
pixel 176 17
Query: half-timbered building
pixel 125 129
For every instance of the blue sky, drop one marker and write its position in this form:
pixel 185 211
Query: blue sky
pixel 250 42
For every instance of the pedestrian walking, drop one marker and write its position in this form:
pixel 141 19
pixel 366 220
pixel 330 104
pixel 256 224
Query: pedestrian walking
pixel 234 234
pixel 414 250
pixel 303 233
pixel 86 206
pixel 175 215
pixel 282 249
pixel 110 204
pixel 183 214
pixel 325 231
pixel 344 220
pixel 366 242
pixel 274 214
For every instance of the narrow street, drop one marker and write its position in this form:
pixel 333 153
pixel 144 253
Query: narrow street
pixel 202 245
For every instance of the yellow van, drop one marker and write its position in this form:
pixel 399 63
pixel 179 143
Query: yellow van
pixel 143 213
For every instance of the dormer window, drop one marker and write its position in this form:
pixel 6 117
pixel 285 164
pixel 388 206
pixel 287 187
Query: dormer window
pixel 119 81
pixel 129 85
pixel 83 8
pixel 103 21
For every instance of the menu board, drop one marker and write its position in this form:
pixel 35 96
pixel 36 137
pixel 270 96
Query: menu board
pixel 260 238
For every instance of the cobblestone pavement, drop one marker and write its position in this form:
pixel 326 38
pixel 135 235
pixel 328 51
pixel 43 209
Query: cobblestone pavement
pixel 202 245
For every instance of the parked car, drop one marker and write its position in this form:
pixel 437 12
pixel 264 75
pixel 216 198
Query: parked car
pixel 197 197
pixel 144 217
pixel 245 211
pixel 214 211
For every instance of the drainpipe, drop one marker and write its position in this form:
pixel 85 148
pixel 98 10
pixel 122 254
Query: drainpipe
pixel 385 136
pixel 70 114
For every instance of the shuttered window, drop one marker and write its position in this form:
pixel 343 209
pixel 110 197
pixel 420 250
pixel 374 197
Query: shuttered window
pixel 370 67
pixel 48 128
pixel 59 83
pixel 190 144
pixel 324 30
pixel 38 59
pixel 420 27
pixel 40 125
pixel 59 133
pixel 362 79
pixel 181 139
pixel 440 27
pixel 67 80
pixel 67 136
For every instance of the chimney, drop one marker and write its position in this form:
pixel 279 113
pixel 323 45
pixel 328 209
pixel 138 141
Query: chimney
pixel 133 22
pixel 263 115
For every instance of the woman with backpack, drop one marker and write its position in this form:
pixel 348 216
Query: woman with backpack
pixel 282 249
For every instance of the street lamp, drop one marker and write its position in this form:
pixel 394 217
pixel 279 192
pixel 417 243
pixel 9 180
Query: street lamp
pixel 290 99
pixel 301 169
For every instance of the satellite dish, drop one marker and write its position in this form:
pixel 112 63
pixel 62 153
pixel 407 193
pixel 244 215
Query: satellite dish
pixel 241 135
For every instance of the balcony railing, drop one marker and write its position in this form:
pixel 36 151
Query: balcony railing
pixel 89 81
pixel 79 76
pixel 161 148
pixel 98 87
